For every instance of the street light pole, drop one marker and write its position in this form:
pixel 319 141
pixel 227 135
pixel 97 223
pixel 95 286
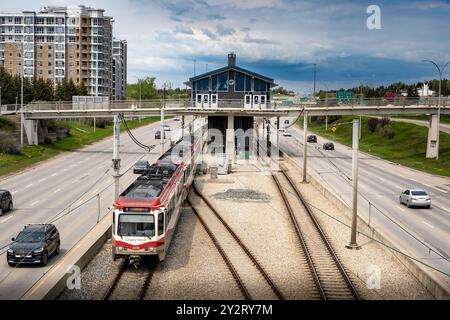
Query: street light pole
pixel 440 71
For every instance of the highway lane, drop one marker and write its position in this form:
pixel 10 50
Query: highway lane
pixel 381 183
pixel 42 192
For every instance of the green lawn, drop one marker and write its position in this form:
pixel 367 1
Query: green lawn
pixel 80 135
pixel 408 147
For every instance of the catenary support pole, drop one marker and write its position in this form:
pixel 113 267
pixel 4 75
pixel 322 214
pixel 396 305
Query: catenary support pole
pixel 353 245
pixel 116 157
pixel 305 146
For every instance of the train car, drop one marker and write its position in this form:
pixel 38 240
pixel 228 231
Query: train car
pixel 147 212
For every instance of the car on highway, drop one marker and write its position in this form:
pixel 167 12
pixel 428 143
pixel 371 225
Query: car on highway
pixel 6 201
pixel 328 146
pixel 286 122
pixel 176 119
pixel 141 166
pixel 312 139
pixel 158 134
pixel 415 198
pixel 282 130
pixel 166 127
pixel 287 134
pixel 35 244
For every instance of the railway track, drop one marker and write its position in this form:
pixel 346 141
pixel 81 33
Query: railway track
pixel 131 283
pixel 240 254
pixel 330 277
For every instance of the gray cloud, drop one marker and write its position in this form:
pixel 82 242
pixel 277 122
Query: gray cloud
pixel 246 29
pixel 224 31
pixel 209 34
pixel 184 30
pixel 249 39
pixel 215 16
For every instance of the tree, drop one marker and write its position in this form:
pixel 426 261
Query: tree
pixel 147 88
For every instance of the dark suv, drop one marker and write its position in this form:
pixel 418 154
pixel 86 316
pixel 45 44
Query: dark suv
pixel 34 245
pixel 312 139
pixel 6 203
pixel 141 166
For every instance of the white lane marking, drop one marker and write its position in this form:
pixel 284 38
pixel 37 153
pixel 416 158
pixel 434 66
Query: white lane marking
pixel 57 190
pixel 7 219
pixel 43 179
pixel 73 165
pixel 35 203
pixel 442 190
pixel 29 186
pixel 53 175
pixel 427 224
pixel 95 191
pixel 425 184
pixel 14 192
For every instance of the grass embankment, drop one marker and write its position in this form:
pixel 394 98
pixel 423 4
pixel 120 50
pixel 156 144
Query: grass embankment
pixel 407 148
pixel 80 135
pixel 444 118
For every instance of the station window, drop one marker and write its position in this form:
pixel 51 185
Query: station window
pixel 203 85
pixel 223 81
pixel 260 85
pixel 240 82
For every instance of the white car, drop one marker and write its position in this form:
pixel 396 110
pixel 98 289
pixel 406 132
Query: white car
pixel 166 128
pixel 282 130
pixel 287 134
pixel 176 119
pixel 415 198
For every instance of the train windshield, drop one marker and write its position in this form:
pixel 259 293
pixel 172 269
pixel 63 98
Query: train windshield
pixel 136 225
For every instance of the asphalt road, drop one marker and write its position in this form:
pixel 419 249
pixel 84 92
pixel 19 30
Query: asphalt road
pixel 381 183
pixel 71 180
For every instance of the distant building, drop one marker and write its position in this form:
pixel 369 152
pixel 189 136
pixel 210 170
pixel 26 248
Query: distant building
pixel 119 69
pixel 72 42
pixel 425 91
pixel 231 86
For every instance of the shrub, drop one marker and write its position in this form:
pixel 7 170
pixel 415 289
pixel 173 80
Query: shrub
pixel 6 124
pixel 389 132
pixel 8 143
pixel 385 122
pixel 373 124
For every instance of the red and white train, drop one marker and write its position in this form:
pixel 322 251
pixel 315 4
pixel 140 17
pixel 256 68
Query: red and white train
pixel 147 212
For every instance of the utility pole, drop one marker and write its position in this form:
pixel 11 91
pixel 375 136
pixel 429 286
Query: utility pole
pixel 163 133
pixel 353 245
pixel 305 146
pixel 140 93
pixel 116 157
pixel 21 108
pixel 195 67
pixel 0 98
pixel 315 78
pixel 440 71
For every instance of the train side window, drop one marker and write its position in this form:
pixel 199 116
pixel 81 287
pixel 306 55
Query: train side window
pixel 160 224
pixel 114 223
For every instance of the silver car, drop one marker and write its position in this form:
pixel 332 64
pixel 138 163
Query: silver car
pixel 415 198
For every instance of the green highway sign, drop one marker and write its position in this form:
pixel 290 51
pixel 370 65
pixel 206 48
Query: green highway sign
pixel 344 96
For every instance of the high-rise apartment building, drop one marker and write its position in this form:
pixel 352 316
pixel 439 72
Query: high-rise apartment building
pixel 57 42
pixel 119 73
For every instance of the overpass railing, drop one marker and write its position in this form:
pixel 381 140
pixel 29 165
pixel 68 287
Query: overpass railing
pixel 380 102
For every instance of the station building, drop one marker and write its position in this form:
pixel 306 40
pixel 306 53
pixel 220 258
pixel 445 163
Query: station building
pixel 231 88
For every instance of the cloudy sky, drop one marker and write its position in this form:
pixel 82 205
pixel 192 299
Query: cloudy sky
pixel 281 39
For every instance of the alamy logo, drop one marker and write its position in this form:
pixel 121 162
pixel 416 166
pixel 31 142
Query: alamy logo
pixel 74 280
pixel 374 20
pixel 374 279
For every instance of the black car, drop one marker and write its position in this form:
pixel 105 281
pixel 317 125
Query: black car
pixel 6 202
pixel 286 122
pixel 158 135
pixel 328 146
pixel 35 244
pixel 141 166
pixel 312 139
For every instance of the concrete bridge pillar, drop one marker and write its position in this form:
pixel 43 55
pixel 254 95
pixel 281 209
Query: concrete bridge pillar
pixel 31 130
pixel 230 146
pixel 432 145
